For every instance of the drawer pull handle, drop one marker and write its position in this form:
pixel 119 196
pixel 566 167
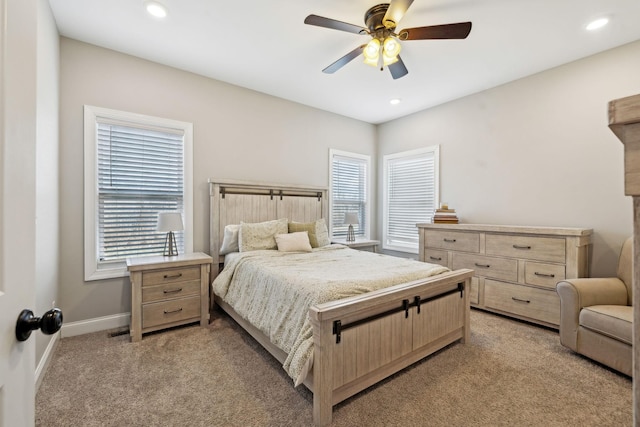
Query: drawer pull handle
pixel 520 300
pixel 450 240
pixel 435 258
pixel 172 291
pixel 482 265
pixel 521 247
pixel 173 311
pixel 174 276
pixel 544 275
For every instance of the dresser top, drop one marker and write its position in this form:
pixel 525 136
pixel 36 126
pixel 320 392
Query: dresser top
pixel 525 229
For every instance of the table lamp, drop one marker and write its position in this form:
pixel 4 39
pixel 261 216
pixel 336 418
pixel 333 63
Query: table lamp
pixel 351 218
pixel 170 222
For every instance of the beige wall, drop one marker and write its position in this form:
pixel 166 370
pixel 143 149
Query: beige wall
pixel 536 151
pixel 238 134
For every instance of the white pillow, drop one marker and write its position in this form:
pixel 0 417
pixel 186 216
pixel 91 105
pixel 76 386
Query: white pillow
pixel 293 242
pixel 261 235
pixel 230 239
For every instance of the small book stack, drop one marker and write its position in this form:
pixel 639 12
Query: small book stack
pixel 444 215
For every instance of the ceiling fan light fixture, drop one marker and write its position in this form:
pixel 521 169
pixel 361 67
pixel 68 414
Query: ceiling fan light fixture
pixel 391 46
pixel 390 50
pixel 371 52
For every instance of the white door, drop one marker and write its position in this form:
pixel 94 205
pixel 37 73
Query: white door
pixel 17 209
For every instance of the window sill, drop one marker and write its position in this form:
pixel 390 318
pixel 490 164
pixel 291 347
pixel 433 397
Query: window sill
pixel 111 272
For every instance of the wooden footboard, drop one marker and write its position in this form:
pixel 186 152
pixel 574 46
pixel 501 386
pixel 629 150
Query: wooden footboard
pixel 359 341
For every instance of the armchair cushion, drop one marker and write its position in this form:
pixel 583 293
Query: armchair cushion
pixel 614 321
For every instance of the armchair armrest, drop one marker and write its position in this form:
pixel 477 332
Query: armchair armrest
pixel 578 293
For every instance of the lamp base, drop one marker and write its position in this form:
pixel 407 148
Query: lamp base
pixel 351 237
pixel 170 247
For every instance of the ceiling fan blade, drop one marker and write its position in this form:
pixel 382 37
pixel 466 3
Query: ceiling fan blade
pixel 395 12
pixel 344 60
pixel 447 31
pixel 398 69
pixel 321 21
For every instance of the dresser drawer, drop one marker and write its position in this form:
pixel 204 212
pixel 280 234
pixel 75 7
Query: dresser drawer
pixel 528 247
pixel 452 240
pixel 170 275
pixel 497 268
pixel 545 275
pixel 161 313
pixel 435 256
pixel 170 291
pixel 538 304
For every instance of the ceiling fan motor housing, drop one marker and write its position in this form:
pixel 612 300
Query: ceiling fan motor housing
pixel 373 18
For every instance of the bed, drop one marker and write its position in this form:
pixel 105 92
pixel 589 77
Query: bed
pixel 349 343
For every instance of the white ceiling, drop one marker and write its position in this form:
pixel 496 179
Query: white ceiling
pixel 265 46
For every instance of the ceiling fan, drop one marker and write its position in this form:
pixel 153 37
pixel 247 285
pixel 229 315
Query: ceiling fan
pixel 384 46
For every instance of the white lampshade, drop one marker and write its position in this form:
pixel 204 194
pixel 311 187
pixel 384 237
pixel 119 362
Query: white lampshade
pixel 351 218
pixel 170 221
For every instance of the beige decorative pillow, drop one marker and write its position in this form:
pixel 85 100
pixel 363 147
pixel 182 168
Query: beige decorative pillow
pixel 293 242
pixel 322 234
pixel 260 235
pixel 318 233
pixel 230 239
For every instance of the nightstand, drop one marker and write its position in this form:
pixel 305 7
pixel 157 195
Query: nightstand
pixel 361 244
pixel 168 291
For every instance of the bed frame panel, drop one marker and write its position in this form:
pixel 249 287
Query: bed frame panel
pixel 391 332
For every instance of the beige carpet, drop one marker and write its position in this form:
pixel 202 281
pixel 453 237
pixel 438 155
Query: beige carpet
pixel 511 373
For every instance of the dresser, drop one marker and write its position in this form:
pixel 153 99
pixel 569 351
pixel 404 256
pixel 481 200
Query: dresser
pixel 516 267
pixel 168 291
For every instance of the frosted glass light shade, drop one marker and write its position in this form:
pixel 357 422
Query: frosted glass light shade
pixel 170 221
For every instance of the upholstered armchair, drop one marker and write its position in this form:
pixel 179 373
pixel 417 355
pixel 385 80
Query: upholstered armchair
pixel 596 316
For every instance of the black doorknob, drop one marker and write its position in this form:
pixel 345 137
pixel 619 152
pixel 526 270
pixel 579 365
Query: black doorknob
pixel 49 323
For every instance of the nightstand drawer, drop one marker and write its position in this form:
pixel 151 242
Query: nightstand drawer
pixel 453 240
pixel 536 248
pixel 170 275
pixel 170 291
pixel 161 313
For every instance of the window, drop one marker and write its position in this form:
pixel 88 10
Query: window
pixel 135 167
pixel 349 188
pixel 410 196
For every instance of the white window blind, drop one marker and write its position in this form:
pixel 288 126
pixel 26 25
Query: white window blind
pixel 411 186
pixel 135 167
pixel 349 187
pixel 140 173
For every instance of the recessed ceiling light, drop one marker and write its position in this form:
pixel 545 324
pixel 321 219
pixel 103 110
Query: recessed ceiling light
pixel 155 9
pixel 597 23
pixel 395 101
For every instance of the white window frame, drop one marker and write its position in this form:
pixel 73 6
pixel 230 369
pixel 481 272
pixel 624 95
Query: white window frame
pixel 433 150
pixel 93 270
pixel 332 153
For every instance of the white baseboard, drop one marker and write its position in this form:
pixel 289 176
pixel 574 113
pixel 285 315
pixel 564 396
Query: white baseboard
pixel 41 369
pixel 95 325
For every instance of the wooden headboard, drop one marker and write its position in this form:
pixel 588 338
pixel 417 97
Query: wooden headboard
pixel 232 202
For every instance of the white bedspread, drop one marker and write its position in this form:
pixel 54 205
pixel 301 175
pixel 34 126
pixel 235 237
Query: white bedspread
pixel 274 290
